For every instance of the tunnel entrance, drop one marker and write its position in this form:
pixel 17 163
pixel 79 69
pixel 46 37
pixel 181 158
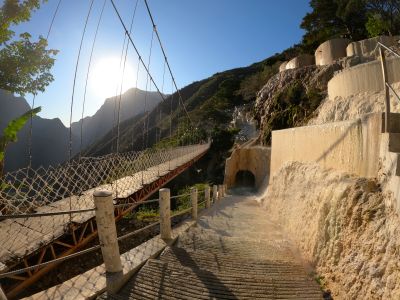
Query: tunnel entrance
pixel 245 178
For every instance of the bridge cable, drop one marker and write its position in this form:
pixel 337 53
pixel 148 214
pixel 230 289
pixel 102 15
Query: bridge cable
pixel 73 94
pixel 134 97
pixel 87 74
pixel 136 49
pixel 115 98
pixel 34 95
pixel 122 77
pixel 145 95
pixel 166 59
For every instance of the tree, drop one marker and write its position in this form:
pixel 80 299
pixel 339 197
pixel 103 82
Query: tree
pixel 334 18
pixel 383 17
pixel 24 64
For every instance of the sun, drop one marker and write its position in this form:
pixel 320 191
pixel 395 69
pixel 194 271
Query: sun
pixel 106 76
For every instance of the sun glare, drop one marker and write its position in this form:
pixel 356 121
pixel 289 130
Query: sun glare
pixel 106 76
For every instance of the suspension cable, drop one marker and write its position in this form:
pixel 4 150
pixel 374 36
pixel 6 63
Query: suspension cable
pixel 145 95
pixel 87 74
pixel 122 77
pixel 34 95
pixel 136 50
pixel 73 94
pixel 166 60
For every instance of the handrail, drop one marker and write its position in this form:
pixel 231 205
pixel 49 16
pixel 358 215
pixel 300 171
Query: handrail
pixel 389 49
pixel 386 85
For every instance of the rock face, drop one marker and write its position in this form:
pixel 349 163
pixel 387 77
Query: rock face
pixel 289 98
pixel 342 226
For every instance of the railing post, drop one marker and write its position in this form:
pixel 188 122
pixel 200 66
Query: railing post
pixel 215 193
pixel 386 88
pixel 107 231
pixel 220 195
pixel 207 195
pixel 193 198
pixel 165 214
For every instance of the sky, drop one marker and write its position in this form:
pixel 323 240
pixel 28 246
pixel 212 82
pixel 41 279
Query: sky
pixel 200 37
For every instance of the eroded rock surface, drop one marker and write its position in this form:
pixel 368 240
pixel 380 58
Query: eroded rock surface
pixel 341 225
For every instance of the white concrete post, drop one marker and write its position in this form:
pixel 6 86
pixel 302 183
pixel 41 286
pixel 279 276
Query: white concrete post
pixel 193 198
pixel 220 193
pixel 165 214
pixel 215 193
pixel 107 231
pixel 207 196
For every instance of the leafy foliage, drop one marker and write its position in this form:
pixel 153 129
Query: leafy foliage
pixel 353 19
pixel 11 131
pixel 24 64
pixel 292 107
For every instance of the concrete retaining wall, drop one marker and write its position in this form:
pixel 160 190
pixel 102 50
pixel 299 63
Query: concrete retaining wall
pixel 300 61
pixel 350 146
pixel 363 78
pixel 255 159
pixel 330 51
pixel 366 47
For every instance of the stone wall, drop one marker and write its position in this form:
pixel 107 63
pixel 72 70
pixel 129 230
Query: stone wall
pixel 255 159
pixel 330 51
pixel 363 78
pixel 350 146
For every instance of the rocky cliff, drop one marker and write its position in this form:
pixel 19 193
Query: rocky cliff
pixel 290 98
pixel 342 226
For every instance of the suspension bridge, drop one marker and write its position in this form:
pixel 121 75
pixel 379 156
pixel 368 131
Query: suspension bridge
pixel 48 214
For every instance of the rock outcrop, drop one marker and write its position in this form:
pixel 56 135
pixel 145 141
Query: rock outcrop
pixel 342 226
pixel 289 98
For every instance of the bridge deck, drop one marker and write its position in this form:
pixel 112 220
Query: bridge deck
pixel 20 237
pixel 235 252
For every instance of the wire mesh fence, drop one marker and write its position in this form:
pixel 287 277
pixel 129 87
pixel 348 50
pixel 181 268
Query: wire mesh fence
pixel 36 194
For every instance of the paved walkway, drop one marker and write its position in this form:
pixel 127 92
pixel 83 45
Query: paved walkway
pixel 235 252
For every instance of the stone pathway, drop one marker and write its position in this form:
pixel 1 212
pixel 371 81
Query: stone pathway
pixel 234 252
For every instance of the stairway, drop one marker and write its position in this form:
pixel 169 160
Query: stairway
pixel 210 261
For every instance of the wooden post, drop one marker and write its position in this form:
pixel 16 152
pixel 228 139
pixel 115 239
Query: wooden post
pixel 207 196
pixel 107 231
pixel 215 193
pixel 165 214
pixel 386 88
pixel 193 198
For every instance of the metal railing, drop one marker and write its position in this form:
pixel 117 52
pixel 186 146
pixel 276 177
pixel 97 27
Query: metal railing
pixel 104 206
pixel 386 84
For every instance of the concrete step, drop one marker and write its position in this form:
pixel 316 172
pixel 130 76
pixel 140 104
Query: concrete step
pixel 261 249
pixel 162 280
pixel 228 263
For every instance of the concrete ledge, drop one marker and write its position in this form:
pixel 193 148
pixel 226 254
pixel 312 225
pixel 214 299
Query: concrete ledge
pixel 363 78
pixel 349 146
pixel 93 282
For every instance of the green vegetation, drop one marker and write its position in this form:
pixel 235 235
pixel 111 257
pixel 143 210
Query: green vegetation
pixel 353 19
pixel 24 64
pixel 292 106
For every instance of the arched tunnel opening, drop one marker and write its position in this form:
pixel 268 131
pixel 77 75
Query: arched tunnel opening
pixel 245 178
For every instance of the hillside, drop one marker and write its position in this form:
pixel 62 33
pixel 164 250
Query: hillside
pixel 49 136
pixel 132 103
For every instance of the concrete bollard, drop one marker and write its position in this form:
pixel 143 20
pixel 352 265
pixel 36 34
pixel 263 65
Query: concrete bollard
pixel 107 231
pixel 215 193
pixel 207 196
pixel 220 195
pixel 165 214
pixel 193 198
